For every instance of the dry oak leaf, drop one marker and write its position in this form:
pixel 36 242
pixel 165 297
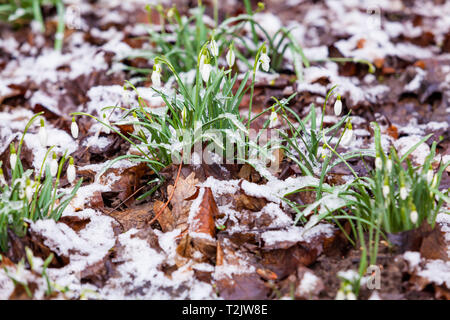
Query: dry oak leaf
pixel 201 235
pixel 181 202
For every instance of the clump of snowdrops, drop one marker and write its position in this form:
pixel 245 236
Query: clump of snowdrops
pixel 24 199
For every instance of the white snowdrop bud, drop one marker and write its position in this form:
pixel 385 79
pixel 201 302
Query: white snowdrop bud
pixel 338 107
pixel 2 178
pixel 54 166
pixel 74 128
pixel 71 173
pixel 273 120
pixel 214 48
pixel 29 190
pixel 13 160
pixel 347 137
pixel 389 165
pixel 265 62
pixel 403 193
pixel 106 128
pixel 414 216
pixel 434 181
pixel 378 163
pixel 430 174
pixel 184 114
pixel 231 57
pixel 156 75
pixel 43 134
pixel 205 68
pixel 386 190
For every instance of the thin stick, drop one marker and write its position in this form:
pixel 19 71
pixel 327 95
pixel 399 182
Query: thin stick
pixel 170 197
pixel 122 202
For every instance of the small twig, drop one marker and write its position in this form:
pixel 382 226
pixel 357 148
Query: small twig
pixel 127 198
pixel 170 197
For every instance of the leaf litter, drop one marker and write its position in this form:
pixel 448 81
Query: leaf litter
pixel 233 237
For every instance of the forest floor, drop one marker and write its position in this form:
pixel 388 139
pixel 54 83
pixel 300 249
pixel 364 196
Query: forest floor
pixel 104 246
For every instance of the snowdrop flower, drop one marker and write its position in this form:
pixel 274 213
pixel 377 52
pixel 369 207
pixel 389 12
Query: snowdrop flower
pixel 106 128
pixel 214 48
pixel 265 61
pixel 389 165
pixel 74 128
pixel 403 192
pixel 13 158
pixel 430 175
pixel 54 166
pixel 347 137
pixel 71 173
pixel 205 67
pixel 414 216
pixel 273 120
pixel 378 163
pixel 434 181
pixel 43 134
pixel 171 13
pixel 2 178
pixel 156 75
pixel 184 114
pixel 29 190
pixel 338 106
pixel 386 190
pixel 231 58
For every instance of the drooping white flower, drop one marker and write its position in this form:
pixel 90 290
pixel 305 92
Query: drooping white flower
pixel 54 166
pixel 43 134
pixel 347 137
pixel 389 165
pixel 184 114
pixel 231 58
pixel 386 190
pixel 71 173
pixel 205 68
pixel 214 48
pixel 430 174
pixel 156 75
pixel 74 128
pixel 403 193
pixel 338 107
pixel 29 190
pixel 414 216
pixel 378 163
pixel 273 120
pixel 2 178
pixel 171 13
pixel 13 160
pixel 265 61
pixel 434 181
